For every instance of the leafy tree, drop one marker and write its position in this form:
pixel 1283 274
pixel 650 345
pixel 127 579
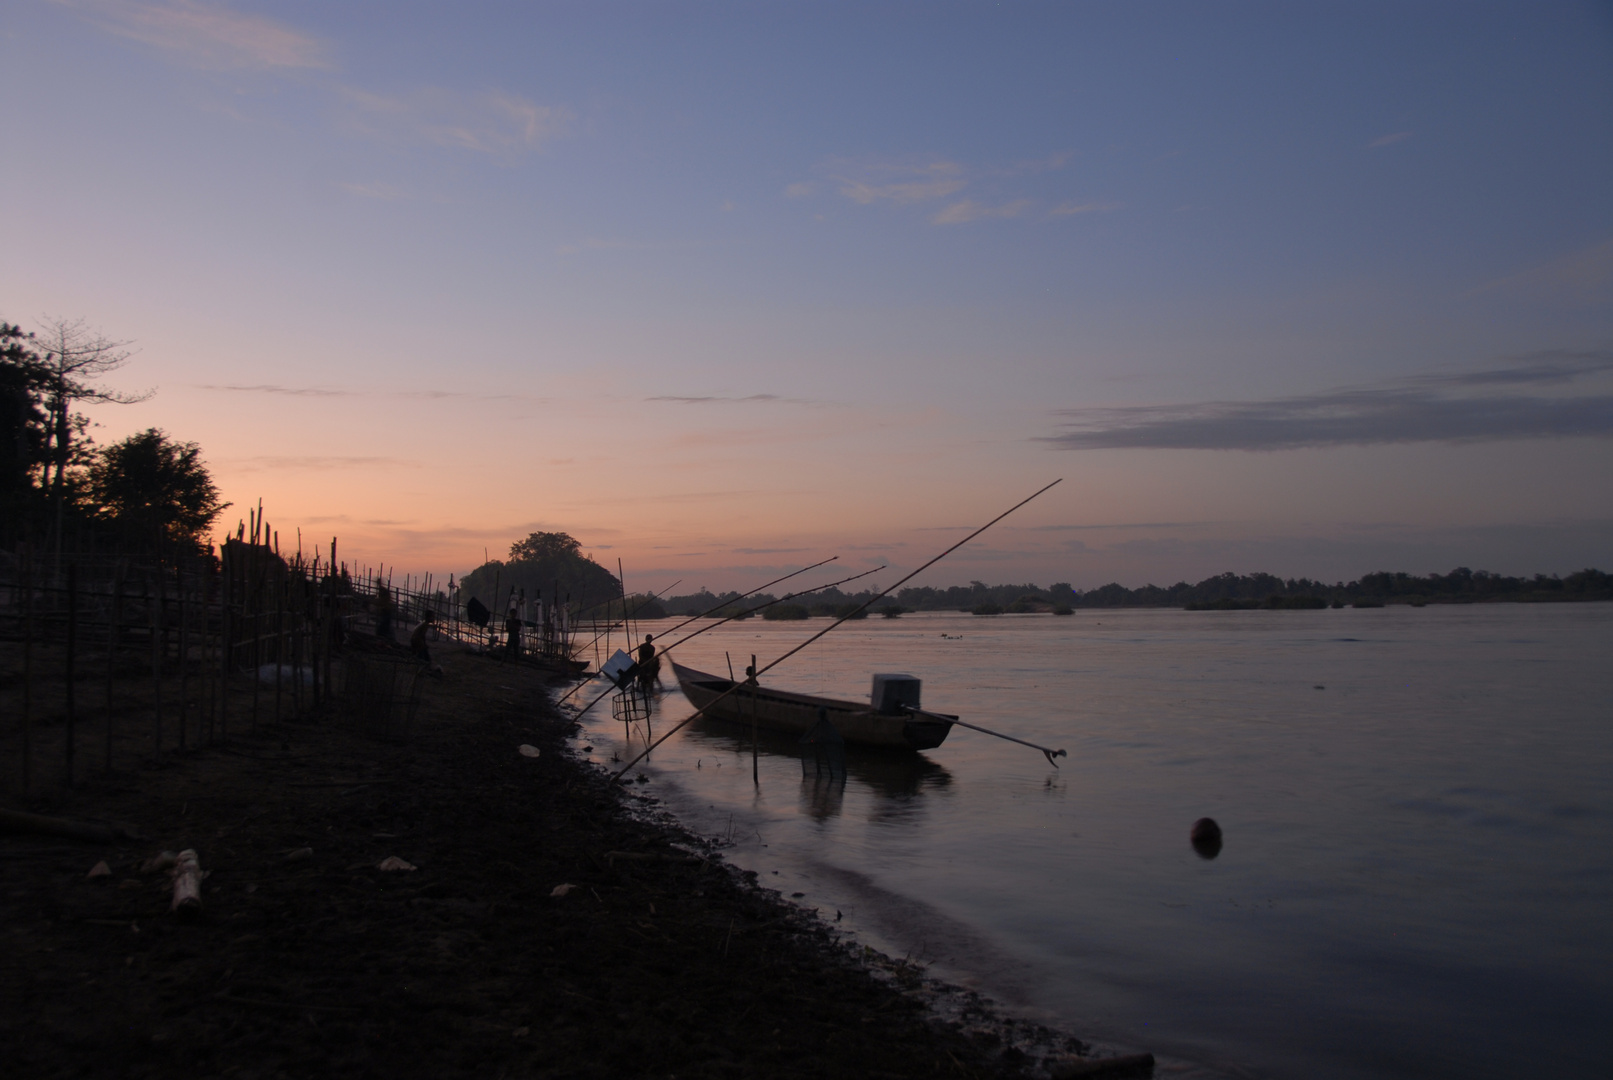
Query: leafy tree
pixel 551 564
pixel 546 545
pixel 155 490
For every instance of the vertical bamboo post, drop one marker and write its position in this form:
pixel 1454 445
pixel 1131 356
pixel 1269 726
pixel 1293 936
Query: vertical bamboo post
pixel 755 739
pixel 226 626
pixel 72 650
pixel 112 655
pixel 254 600
pixel 156 662
pixel 27 666
pixel 279 644
pixel 297 639
pixel 330 614
pixel 208 673
pixel 313 633
pixel 184 651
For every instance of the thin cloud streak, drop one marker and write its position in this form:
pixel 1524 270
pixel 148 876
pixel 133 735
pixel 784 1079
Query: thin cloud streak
pixel 1418 409
pixel 968 210
pixel 207 35
pixel 489 122
pixel 322 391
pixel 254 464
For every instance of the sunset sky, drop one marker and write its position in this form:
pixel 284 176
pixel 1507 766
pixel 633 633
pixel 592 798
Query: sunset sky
pixel 722 289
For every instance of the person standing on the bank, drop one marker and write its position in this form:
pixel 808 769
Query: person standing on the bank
pixel 649 665
pixel 417 640
pixel 383 611
pixel 512 634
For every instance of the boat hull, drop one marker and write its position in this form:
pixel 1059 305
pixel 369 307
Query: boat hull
pixel 780 710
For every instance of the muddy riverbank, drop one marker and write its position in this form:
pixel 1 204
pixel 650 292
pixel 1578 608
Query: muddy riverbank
pixel 660 960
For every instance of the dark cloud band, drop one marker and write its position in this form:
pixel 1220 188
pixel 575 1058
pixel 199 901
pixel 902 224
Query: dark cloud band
pixel 1428 408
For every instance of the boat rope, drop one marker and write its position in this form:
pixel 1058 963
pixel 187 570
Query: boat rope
pixel 950 719
pixel 848 615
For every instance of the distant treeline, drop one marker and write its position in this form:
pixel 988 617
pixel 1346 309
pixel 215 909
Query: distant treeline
pixel 1460 586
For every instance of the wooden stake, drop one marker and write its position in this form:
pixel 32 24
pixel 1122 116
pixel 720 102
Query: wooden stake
pixel 112 655
pixel 156 665
pixel 184 652
pixel 72 650
pixel 27 559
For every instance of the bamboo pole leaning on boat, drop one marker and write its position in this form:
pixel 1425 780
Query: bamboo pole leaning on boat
pixel 703 614
pixel 850 614
pixel 738 615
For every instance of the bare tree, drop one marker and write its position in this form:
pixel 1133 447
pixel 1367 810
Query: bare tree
pixel 74 356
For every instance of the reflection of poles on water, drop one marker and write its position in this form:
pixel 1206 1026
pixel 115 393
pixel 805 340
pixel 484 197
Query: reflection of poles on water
pixel 755 738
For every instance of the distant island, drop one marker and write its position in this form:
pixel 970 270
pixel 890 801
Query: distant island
pixel 1223 592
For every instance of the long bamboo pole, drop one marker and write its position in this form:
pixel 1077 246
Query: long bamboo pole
pixel 708 611
pixel 72 655
pixel 112 655
pixel 27 666
pixel 737 615
pixel 859 608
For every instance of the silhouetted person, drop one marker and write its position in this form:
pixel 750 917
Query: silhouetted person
pixel 649 665
pixel 512 634
pixel 417 640
pixel 383 611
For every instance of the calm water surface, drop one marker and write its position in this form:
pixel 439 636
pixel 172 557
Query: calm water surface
pixel 1418 869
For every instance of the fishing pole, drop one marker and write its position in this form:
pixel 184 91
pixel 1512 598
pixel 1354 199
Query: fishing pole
pixel 741 596
pixel 770 603
pixel 850 614
pixel 731 618
pixel 949 718
pixel 702 615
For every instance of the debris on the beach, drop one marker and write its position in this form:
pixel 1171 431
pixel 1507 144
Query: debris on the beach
pixel 16 821
pixel 100 869
pixel 1124 1065
pixel 187 885
pixel 392 862
pixel 163 860
pixel 521 1032
pixel 528 750
pixel 300 854
pixel 561 890
pixel 1319 686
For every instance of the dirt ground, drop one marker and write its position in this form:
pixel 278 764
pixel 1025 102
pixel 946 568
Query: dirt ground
pixel 309 961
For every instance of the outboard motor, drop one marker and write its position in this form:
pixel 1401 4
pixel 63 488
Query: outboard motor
pixel 891 692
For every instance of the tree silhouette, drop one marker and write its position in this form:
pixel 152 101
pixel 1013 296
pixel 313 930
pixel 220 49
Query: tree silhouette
pixel 156 490
pixel 73 356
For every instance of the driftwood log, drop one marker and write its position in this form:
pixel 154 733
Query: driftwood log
pixel 90 832
pixel 187 885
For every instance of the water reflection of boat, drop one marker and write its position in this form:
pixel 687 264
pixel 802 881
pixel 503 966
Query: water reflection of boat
pixel 781 710
pixel 895 775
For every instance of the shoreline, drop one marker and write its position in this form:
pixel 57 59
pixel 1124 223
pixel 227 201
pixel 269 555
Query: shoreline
pixel 308 960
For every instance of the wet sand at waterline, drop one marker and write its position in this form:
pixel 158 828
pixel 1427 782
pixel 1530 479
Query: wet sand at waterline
pixel 1418 848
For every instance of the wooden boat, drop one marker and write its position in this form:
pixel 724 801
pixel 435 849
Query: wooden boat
pixel 780 710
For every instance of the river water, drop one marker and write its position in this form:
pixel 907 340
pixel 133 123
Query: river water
pixel 1417 877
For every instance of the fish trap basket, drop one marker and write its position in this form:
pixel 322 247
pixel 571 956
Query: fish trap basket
pixel 630 707
pixel 381 695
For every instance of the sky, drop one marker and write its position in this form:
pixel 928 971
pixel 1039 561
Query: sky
pixel 724 289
